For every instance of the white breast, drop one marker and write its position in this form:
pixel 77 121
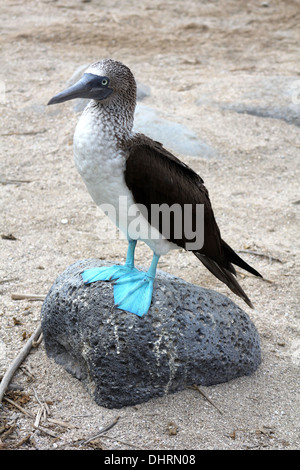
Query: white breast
pixel 98 159
pixel 101 164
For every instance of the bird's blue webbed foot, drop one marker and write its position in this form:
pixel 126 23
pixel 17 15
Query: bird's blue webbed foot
pixel 105 273
pixel 133 291
pixel 108 273
pixel 132 288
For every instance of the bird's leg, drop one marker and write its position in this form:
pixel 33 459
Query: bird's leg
pixel 108 273
pixel 133 291
pixel 130 254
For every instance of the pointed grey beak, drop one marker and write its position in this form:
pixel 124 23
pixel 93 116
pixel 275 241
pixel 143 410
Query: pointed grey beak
pixel 90 86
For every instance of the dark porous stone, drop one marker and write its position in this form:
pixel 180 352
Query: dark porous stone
pixel 190 336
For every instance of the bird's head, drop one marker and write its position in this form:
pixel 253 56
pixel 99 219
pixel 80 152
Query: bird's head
pixel 105 81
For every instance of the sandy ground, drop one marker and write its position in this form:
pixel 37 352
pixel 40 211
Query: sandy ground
pixel 178 48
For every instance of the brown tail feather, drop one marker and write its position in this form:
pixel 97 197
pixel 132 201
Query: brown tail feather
pixel 232 257
pixel 224 275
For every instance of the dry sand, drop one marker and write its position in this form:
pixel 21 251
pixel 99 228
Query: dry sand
pixel 178 48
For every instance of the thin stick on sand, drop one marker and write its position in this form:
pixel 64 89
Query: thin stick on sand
pixel 18 361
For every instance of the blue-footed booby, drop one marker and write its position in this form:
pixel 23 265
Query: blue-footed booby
pixel 118 164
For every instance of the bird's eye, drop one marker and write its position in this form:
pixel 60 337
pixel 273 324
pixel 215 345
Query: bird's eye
pixel 104 82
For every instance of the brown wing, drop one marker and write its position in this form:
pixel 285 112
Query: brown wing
pixel 157 177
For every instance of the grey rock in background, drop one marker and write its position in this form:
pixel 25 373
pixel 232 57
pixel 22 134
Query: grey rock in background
pixel 142 92
pixel 174 136
pixel 190 336
pixel 276 97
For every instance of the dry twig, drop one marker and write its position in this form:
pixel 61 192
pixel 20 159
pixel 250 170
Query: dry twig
pixel 6 134
pixel 19 407
pixel 20 296
pixel 12 181
pixel 195 387
pixel 242 274
pixel 102 430
pixel 30 415
pixel 262 255
pixel 18 361
pixel 43 414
